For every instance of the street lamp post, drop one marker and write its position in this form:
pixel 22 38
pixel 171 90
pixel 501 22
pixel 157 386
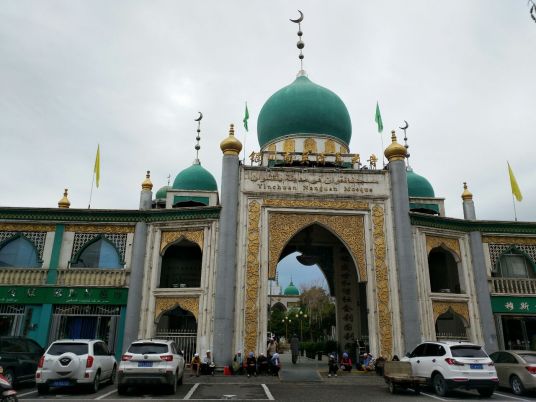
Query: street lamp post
pixel 286 321
pixel 300 315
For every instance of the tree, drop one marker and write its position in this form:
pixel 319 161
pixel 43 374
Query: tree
pixel 320 309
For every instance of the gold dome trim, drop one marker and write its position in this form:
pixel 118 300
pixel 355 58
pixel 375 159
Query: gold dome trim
pixel 466 195
pixel 395 151
pixel 147 184
pixel 64 202
pixel 231 145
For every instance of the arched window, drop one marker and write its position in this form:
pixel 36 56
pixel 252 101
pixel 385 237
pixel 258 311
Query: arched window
pixel 19 252
pixel 181 266
pixel 450 326
pixel 99 254
pixel 514 264
pixel 443 271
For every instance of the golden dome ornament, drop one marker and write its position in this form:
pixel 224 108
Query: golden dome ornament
pixel 231 145
pixel 466 195
pixel 395 151
pixel 64 202
pixel 147 184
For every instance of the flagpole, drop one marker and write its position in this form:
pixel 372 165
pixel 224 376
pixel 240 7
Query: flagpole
pixel 91 191
pixel 244 158
pixel 514 203
pixel 383 156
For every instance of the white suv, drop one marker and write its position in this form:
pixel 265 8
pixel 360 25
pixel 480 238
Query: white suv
pixel 71 362
pixel 449 365
pixel 151 362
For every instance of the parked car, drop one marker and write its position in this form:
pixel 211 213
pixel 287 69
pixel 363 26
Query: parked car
pixel 75 362
pixel 151 362
pixel 516 369
pixel 450 365
pixel 19 357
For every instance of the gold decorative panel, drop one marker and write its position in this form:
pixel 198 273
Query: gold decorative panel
pixel 195 236
pixel 509 240
pixel 252 277
pixel 164 304
pixel 329 147
pixel 99 229
pixel 436 241
pixel 382 282
pixel 441 307
pixel 318 204
pixel 309 145
pixel 26 227
pixel 289 145
pixel 284 226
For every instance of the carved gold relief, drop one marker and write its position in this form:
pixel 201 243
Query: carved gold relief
pixel 436 241
pixel 382 282
pixel 289 145
pixel 460 308
pixel 99 229
pixel 509 240
pixel 352 205
pixel 252 277
pixel 271 148
pixel 329 147
pixel 284 226
pixel 164 304
pixel 309 145
pixel 191 235
pixel 26 227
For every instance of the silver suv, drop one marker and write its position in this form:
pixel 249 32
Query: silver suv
pixel 449 365
pixel 151 362
pixel 70 362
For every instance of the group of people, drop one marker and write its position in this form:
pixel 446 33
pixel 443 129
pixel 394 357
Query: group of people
pixel 365 363
pixel 261 364
pixel 205 366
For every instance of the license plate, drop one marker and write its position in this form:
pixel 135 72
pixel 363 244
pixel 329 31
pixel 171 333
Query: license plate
pixel 476 366
pixel 145 364
pixel 60 383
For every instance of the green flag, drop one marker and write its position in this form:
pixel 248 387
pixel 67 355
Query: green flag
pixel 246 118
pixel 378 118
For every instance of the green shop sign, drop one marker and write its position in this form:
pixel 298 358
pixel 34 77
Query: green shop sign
pixel 507 304
pixel 62 295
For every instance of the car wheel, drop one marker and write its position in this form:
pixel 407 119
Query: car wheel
pixel 172 390
pixel 122 389
pixel 10 376
pixel 94 387
pixel 179 381
pixel 113 375
pixel 42 389
pixel 392 387
pixel 11 398
pixel 486 392
pixel 517 385
pixel 417 389
pixel 440 385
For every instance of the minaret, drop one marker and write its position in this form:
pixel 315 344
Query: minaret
pixel 480 273
pixel 405 258
pixel 146 195
pixel 226 259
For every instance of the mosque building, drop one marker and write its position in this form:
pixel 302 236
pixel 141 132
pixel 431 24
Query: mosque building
pixel 194 263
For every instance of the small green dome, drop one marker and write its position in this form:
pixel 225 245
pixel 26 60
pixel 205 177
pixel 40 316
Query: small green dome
pixel 418 186
pixel 162 193
pixel 195 178
pixel 291 290
pixel 303 107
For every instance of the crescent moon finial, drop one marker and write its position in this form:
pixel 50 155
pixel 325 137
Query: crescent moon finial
pixel 200 117
pixel 298 20
pixel 198 137
pixel 405 127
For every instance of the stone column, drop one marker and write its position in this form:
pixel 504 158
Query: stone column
pixel 481 276
pixel 225 285
pixel 405 258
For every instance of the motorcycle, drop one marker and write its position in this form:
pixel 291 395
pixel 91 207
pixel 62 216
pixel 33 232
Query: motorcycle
pixel 8 393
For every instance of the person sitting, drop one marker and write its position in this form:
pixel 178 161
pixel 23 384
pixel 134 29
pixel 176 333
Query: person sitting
pixel 275 364
pixel 262 364
pixel 207 365
pixel 251 365
pixel 196 365
pixel 368 364
pixel 332 365
pixel 380 364
pixel 396 358
pixel 346 362
pixel 238 363
pixel 272 348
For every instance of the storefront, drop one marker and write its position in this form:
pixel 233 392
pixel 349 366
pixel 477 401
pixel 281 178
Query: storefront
pixel 515 319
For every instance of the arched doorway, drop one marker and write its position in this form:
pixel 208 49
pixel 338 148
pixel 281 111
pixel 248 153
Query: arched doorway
pixel 450 326
pixel 180 326
pixel 181 266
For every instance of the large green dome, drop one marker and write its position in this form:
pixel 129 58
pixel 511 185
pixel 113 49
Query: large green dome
pixel 418 186
pixel 195 178
pixel 303 107
pixel 291 290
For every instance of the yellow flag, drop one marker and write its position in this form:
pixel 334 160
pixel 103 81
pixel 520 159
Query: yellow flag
pixel 96 169
pixel 513 183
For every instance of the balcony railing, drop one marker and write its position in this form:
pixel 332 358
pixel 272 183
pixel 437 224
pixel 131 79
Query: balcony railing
pixel 93 277
pixel 518 286
pixel 23 276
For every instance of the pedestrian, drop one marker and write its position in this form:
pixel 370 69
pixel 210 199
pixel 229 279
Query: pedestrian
pixel 272 348
pixel 294 348
pixel 275 364
pixel 251 365
pixel 238 363
pixel 196 365
pixel 332 365
pixel 262 364
pixel 207 365
pixel 346 362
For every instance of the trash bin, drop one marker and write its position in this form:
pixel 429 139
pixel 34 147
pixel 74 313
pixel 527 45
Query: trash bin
pixel 226 370
pixel 320 355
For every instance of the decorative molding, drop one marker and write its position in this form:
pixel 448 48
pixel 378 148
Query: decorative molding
pixel 284 226
pixel 441 307
pixel 309 144
pixel 509 240
pixel 26 227
pixel 319 204
pixel 437 241
pixel 252 277
pixel 195 236
pixel 111 229
pixel 382 282
pixel 289 145
pixel 329 147
pixel 163 304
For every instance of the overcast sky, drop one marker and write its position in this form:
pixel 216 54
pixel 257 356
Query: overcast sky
pixel 132 75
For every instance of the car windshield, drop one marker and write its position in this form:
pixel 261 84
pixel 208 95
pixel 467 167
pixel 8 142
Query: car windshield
pixel 148 348
pixel 529 358
pixel 467 351
pixel 57 349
